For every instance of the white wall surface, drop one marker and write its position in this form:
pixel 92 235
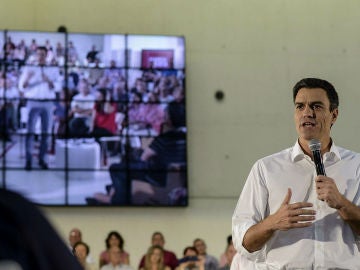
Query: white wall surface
pixel 254 51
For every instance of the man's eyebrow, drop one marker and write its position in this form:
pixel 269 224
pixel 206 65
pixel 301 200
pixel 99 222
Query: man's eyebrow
pixel 311 103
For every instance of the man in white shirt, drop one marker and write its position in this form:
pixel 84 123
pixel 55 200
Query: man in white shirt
pixel 82 107
pixel 287 217
pixel 39 84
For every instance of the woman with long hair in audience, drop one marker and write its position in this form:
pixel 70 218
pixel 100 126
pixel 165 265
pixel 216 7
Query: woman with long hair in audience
pixel 114 239
pixel 154 259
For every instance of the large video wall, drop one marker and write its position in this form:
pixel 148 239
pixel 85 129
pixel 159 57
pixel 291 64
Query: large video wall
pixel 93 119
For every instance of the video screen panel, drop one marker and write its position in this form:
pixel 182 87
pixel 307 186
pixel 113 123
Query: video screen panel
pixel 94 119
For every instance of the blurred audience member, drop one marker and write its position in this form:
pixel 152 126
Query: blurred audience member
pixel 223 258
pixel 91 56
pixel 74 237
pixel 191 260
pixel 157 239
pixel 72 54
pixel 82 106
pixel 211 263
pixel 81 251
pixel 115 260
pixel 154 259
pixel 114 239
pixel 27 239
pixel 9 97
pixel 229 254
pixel 167 148
pixel 104 115
pixel 61 114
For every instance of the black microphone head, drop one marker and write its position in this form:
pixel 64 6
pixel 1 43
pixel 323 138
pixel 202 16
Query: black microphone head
pixel 314 145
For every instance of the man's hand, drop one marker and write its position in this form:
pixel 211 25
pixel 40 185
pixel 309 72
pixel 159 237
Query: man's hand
pixel 290 216
pixel 28 77
pixel 46 79
pixel 328 192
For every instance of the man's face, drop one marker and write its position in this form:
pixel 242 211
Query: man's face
pixel 158 240
pixel 200 247
pixel 312 115
pixel 83 87
pixel 74 237
pixel 41 55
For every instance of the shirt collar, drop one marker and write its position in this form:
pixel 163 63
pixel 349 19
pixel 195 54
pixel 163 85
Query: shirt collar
pixel 298 154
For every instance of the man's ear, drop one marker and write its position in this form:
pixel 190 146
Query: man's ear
pixel 335 114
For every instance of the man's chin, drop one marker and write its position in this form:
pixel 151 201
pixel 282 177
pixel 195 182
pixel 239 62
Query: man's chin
pixel 308 137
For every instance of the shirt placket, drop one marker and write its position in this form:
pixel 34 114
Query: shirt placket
pixel 319 229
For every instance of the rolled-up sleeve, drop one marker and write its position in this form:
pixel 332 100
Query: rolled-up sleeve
pixel 252 207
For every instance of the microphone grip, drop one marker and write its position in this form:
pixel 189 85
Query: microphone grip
pixel 320 170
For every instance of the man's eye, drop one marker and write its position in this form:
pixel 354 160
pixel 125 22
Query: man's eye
pixel 316 107
pixel 299 107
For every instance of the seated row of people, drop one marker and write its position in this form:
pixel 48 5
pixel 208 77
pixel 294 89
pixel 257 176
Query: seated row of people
pixel 157 257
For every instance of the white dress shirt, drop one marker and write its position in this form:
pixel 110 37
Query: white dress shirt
pixel 329 243
pixel 83 102
pixel 37 88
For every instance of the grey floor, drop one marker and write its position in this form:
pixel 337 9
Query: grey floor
pixel 54 186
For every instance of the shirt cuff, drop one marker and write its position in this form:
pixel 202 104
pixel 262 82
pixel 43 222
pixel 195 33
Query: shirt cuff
pixel 239 233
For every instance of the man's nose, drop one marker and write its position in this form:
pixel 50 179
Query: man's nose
pixel 308 111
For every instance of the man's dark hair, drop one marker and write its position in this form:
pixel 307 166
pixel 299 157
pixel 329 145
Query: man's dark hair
pixel 157 233
pixel 190 248
pixel 318 83
pixel 42 48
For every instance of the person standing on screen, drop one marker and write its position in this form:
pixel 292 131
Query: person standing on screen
pixel 39 83
pixel 287 217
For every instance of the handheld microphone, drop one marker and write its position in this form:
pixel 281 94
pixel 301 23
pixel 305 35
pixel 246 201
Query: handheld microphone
pixel 315 147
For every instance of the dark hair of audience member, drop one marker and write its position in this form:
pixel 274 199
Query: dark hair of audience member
pixel 83 244
pixel 118 236
pixel 190 248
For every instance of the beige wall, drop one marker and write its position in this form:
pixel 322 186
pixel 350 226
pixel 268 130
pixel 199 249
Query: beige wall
pixel 254 51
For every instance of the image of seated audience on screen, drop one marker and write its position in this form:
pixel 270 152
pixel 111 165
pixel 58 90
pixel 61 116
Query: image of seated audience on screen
pixel 93 119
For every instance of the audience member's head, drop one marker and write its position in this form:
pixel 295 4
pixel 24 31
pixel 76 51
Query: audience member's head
pixel 74 236
pixel 41 53
pixel 154 256
pixel 114 239
pixel 190 251
pixel 157 239
pixel 81 250
pixel 190 259
pixel 84 86
pixel 200 246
